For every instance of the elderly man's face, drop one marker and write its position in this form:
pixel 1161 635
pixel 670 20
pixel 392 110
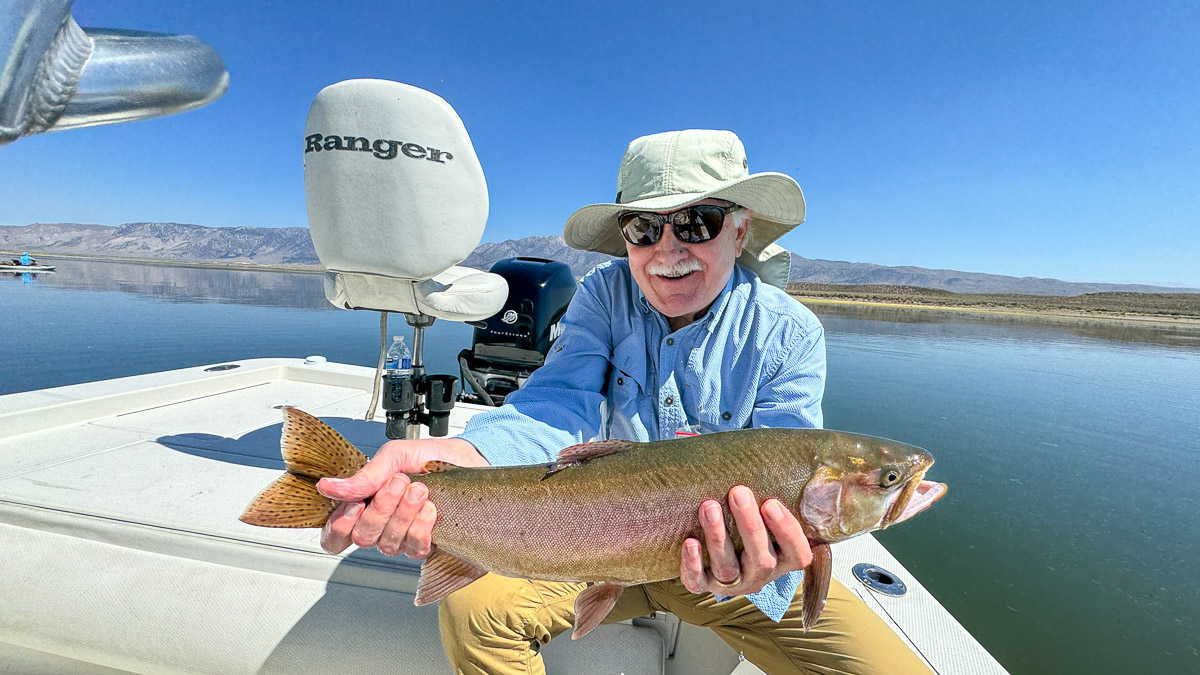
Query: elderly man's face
pixel 682 280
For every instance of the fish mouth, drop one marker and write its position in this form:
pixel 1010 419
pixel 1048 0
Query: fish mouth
pixel 917 496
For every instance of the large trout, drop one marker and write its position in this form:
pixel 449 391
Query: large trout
pixel 616 513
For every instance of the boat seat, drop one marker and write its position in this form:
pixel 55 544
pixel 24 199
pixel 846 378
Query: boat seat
pixel 396 199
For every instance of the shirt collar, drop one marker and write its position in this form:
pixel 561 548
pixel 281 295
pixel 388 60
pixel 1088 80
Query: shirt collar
pixel 719 305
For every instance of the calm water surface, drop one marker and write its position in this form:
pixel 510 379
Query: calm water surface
pixel 1068 542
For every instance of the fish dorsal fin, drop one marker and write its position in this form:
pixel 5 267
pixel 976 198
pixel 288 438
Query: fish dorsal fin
pixel 592 605
pixel 441 575
pixel 816 584
pixel 437 466
pixel 585 452
pixel 313 449
pixel 290 501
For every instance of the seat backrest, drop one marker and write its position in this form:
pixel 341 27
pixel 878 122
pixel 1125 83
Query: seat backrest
pixel 393 186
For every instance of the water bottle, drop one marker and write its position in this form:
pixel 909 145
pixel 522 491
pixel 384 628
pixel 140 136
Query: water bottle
pixel 398 362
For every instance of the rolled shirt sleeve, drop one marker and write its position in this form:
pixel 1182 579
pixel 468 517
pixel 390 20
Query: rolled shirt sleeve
pixel 559 405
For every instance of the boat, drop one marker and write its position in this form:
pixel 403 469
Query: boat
pixel 24 269
pixel 119 499
pixel 119 505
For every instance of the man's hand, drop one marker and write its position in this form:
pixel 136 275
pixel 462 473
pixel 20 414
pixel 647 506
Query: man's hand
pixel 400 517
pixel 761 561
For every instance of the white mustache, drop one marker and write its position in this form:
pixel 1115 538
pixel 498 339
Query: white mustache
pixel 677 270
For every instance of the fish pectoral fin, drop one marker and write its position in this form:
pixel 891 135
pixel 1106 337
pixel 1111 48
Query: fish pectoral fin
pixel 290 501
pixel 441 575
pixel 816 584
pixel 585 452
pixel 314 449
pixel 437 466
pixel 592 605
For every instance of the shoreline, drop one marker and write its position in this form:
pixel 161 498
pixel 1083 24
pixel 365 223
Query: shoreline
pixel 171 262
pixel 1011 305
pixel 1146 320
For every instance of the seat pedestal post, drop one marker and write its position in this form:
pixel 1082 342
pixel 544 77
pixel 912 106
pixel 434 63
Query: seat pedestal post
pixel 418 399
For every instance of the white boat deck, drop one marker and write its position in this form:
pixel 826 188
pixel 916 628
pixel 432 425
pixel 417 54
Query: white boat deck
pixel 118 518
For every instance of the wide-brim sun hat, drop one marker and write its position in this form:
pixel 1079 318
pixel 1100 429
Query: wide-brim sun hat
pixel 666 171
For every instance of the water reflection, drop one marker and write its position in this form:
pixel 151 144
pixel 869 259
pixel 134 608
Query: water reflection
pixel 192 284
pixel 864 320
pixel 299 290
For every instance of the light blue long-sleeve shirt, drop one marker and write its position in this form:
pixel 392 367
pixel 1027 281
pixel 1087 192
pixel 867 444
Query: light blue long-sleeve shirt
pixel 756 359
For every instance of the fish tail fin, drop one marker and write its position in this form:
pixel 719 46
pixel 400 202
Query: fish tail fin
pixel 441 574
pixel 314 449
pixel 592 605
pixel 816 585
pixel 290 501
pixel 311 450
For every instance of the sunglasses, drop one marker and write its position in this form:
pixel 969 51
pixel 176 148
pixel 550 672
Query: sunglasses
pixel 693 224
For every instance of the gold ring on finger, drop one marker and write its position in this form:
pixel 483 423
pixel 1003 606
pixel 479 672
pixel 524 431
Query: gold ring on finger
pixel 731 584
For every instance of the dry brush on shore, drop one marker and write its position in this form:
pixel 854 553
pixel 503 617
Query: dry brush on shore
pixel 1116 305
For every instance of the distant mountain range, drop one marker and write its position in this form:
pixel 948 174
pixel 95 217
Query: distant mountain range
pixel 171 241
pixel 292 246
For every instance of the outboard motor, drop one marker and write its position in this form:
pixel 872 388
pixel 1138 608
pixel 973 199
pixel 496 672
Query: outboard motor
pixel 512 343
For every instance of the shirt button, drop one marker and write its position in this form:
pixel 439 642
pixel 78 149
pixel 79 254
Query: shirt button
pixel 726 416
pixel 668 400
pixel 621 381
pixel 670 342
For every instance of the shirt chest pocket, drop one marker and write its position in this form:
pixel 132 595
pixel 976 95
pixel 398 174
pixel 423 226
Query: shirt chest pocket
pixel 623 389
pixel 720 406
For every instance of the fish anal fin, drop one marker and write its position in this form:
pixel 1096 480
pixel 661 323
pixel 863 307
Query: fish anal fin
pixel 816 584
pixel 314 449
pixel 437 466
pixel 290 501
pixel 441 575
pixel 592 605
pixel 585 452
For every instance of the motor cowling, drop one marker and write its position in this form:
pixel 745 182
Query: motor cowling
pixel 508 346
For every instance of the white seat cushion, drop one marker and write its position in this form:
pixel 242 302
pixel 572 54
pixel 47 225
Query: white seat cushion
pixel 458 294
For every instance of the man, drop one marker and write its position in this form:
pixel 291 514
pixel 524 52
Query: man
pixel 677 337
pixel 26 260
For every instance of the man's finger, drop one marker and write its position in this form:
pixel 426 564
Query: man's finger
pixel 691 567
pixel 721 556
pixel 335 536
pixel 369 479
pixel 358 487
pixel 379 511
pixel 794 551
pixel 758 555
pixel 420 535
pixel 394 538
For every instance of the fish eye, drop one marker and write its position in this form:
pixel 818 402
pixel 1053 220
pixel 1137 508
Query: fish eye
pixel 889 477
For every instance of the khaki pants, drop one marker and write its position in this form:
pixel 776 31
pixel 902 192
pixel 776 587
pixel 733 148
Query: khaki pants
pixel 493 625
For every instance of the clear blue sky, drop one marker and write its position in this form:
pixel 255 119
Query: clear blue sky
pixel 1025 138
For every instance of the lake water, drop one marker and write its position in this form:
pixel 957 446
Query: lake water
pixel 1069 540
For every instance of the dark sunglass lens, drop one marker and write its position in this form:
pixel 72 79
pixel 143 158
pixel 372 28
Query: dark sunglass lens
pixel 640 229
pixel 699 223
